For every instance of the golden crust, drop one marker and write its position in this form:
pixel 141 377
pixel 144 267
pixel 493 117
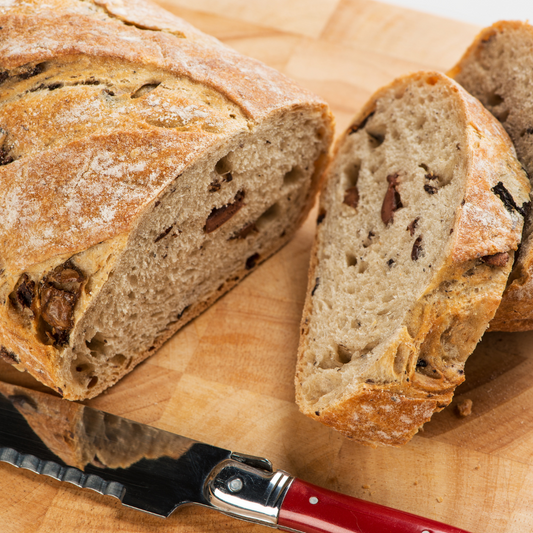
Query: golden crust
pixel 99 191
pixel 34 35
pixel 456 307
pixel 88 161
pixel 515 312
pixel 516 309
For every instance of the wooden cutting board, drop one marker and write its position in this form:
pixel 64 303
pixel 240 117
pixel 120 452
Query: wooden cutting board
pixel 227 378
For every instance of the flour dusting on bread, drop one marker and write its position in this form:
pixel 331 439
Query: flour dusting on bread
pixel 498 70
pixel 421 213
pixel 146 168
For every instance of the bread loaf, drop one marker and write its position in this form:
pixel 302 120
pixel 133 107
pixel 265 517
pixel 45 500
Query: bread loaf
pixel 420 215
pixel 145 168
pixel 498 70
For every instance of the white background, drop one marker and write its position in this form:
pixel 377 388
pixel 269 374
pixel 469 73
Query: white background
pixel 482 13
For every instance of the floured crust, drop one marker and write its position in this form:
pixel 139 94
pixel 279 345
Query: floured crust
pixel 389 400
pixel 508 100
pixel 105 106
pixel 254 87
pixel 39 35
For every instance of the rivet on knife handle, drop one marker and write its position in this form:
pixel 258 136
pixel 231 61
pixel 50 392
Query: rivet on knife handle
pixel 155 471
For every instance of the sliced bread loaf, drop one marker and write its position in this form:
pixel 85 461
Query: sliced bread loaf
pixel 145 169
pixel 498 70
pixel 420 215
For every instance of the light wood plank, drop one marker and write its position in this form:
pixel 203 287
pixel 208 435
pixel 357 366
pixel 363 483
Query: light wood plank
pixel 302 17
pixel 432 41
pixel 227 378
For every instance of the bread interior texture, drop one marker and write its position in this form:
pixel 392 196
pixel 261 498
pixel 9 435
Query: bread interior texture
pixel 374 261
pixel 175 263
pixel 499 75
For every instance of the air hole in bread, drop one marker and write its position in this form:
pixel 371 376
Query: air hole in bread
pixel 351 260
pixel 145 89
pixel 502 115
pixel 344 355
pixel 92 382
pixel 29 71
pixel 82 371
pixel 387 297
pixel 362 267
pixel 368 348
pixel 494 99
pixel 417 250
pixel 421 120
pixel 118 360
pixel 252 261
pixel 377 136
pixel 351 174
pixel 224 165
pixel 293 176
pixel 527 131
pixel 5 156
pixel 218 180
pixel 272 213
pixel 97 345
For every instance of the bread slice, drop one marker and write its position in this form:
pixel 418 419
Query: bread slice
pixel 498 70
pixel 145 169
pixel 419 219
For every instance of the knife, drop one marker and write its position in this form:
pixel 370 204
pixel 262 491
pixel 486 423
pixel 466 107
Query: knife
pixel 156 471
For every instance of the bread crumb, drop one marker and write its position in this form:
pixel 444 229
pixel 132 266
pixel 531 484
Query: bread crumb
pixel 440 499
pixel 415 483
pixel 477 467
pixel 464 407
pixel 366 486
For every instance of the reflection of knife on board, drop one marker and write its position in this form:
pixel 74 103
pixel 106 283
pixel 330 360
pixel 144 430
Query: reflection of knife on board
pixel 156 471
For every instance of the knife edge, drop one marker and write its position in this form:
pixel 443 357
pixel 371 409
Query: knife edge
pixel 68 474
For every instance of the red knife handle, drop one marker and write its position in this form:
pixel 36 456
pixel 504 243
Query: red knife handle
pixel 312 509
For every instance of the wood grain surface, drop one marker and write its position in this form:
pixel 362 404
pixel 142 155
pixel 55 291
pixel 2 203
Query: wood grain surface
pixel 227 378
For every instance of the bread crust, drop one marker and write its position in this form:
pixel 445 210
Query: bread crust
pixel 254 88
pixel 454 309
pixel 515 312
pixel 105 172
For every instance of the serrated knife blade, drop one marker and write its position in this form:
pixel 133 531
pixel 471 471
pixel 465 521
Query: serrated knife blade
pixel 156 471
